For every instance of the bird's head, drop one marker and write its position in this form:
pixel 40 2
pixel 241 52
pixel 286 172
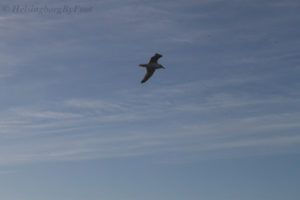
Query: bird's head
pixel 158 55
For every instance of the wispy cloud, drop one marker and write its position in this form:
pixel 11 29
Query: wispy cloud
pixel 45 114
pixel 273 141
pixel 95 128
pixel 94 104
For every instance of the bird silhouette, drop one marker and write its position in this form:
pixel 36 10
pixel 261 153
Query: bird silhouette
pixel 151 66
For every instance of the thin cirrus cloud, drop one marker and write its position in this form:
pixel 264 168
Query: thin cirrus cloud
pixel 79 130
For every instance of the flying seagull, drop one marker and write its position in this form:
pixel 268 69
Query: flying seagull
pixel 151 67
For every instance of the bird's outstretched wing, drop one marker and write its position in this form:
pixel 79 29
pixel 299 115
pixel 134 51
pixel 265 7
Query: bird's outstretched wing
pixel 155 58
pixel 148 74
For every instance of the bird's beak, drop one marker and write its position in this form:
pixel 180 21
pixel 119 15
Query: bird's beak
pixel 163 67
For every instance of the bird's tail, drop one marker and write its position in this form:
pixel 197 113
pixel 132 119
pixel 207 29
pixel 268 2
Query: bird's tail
pixel 142 65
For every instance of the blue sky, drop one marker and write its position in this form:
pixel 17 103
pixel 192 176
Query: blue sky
pixel 220 122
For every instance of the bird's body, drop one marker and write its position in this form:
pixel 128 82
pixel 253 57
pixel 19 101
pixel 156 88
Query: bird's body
pixel 151 67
